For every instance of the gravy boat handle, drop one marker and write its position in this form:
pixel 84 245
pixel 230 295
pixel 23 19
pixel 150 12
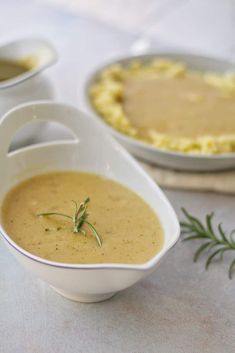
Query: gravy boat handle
pixel 23 114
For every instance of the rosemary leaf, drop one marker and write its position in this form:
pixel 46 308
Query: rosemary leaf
pixel 209 224
pixel 98 238
pixel 231 269
pixel 54 214
pixel 200 251
pixel 215 243
pixel 78 219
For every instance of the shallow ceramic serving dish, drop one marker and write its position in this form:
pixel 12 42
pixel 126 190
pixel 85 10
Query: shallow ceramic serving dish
pixel 152 154
pixel 29 86
pixel 93 151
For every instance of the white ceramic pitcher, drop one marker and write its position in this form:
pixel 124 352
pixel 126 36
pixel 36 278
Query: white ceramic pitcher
pixel 29 86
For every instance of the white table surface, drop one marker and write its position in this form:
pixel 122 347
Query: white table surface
pixel 181 308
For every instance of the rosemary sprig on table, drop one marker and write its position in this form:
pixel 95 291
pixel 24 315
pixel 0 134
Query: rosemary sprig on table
pixel 215 243
pixel 78 219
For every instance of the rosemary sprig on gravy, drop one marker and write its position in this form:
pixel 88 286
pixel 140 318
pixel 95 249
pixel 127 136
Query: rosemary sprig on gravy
pixel 78 219
pixel 215 243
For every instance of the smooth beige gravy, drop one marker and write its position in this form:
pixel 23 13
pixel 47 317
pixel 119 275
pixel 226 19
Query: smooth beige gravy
pixel 179 106
pixel 10 69
pixel 130 230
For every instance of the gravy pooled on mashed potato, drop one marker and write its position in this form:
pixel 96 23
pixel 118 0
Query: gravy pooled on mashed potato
pixel 178 106
pixel 166 104
pixel 130 230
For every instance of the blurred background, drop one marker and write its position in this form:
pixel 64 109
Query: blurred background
pixel 86 32
pixel 204 25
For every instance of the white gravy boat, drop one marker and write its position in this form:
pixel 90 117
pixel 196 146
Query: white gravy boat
pixel 94 151
pixel 28 86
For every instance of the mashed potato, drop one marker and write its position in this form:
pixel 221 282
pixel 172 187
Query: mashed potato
pixel 107 92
